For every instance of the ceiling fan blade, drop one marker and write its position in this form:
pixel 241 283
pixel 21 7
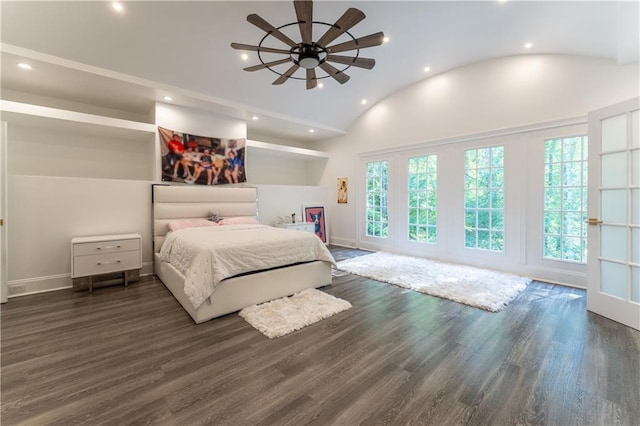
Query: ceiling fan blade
pixel 351 17
pixel 267 64
pixel 267 27
pixel 312 81
pixel 353 61
pixel 304 13
pixel 360 43
pixel 287 74
pixel 240 46
pixel 338 75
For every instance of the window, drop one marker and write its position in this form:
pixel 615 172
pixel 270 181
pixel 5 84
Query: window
pixel 422 198
pixel 377 209
pixel 484 198
pixel 565 199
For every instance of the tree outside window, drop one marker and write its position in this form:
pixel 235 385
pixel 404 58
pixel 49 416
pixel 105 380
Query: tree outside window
pixel 484 198
pixel 565 199
pixel 377 207
pixel 421 186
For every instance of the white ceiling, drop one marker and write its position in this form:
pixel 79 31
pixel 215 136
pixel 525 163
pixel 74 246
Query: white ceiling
pixel 86 52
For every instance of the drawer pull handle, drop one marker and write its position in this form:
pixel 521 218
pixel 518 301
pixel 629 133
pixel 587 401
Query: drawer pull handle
pixel 108 247
pixel 107 263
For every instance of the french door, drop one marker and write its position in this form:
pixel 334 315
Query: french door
pixel 613 268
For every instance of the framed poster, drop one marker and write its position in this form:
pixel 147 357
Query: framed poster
pixel 343 190
pixel 314 213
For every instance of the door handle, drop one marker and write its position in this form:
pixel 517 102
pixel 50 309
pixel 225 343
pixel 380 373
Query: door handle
pixel 593 221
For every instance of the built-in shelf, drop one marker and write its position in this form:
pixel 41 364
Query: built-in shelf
pixel 287 151
pixel 72 121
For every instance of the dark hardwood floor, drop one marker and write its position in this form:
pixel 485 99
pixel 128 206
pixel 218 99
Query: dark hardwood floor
pixel 127 356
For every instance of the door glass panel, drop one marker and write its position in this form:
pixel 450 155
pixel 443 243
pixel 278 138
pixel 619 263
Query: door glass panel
pixel 614 133
pixel 614 168
pixel 635 167
pixel 635 284
pixel 635 128
pixel 635 207
pixel 613 279
pixel 613 242
pixel 635 245
pixel 614 206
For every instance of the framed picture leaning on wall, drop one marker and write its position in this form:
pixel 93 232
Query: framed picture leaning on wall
pixel 314 213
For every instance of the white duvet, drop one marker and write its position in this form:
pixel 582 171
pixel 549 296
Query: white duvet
pixel 206 256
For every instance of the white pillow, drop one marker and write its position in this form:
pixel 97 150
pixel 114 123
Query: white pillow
pixel 239 220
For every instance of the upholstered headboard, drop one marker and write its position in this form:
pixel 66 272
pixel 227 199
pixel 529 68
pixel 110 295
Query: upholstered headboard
pixel 184 202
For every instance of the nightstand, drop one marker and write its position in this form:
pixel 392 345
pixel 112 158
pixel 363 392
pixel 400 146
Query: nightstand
pixel 105 254
pixel 304 226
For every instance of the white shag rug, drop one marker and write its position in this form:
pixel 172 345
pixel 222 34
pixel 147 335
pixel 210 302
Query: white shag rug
pixel 288 314
pixel 482 288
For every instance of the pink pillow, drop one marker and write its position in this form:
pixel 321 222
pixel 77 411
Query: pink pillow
pixel 239 220
pixel 176 224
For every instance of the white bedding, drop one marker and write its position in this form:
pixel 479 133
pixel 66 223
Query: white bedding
pixel 206 256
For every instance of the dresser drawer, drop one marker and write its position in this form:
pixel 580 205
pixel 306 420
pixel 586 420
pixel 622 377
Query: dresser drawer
pixel 114 246
pixel 105 263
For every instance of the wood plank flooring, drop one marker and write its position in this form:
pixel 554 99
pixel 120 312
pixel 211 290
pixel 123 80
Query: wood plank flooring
pixel 126 356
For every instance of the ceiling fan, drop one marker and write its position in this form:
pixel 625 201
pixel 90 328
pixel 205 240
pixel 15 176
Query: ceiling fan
pixel 309 54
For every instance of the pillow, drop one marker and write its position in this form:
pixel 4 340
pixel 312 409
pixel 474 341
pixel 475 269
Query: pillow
pixel 239 220
pixel 176 224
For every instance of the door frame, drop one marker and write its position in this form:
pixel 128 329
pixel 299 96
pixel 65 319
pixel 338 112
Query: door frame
pixel 3 213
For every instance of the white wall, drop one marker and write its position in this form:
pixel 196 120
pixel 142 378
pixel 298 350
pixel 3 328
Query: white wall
pixel 277 170
pixel 507 96
pixel 71 179
pixel 283 200
pixel 46 212
pixel 40 151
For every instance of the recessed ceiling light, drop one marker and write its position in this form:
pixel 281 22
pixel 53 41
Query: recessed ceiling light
pixel 311 131
pixel 255 117
pixel 363 102
pixel 117 6
pixel 167 98
pixel 24 66
pixel 385 40
pixel 528 45
pixel 320 85
pixel 427 69
pixel 244 57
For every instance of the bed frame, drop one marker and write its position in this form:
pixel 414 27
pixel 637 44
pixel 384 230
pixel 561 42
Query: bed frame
pixel 182 202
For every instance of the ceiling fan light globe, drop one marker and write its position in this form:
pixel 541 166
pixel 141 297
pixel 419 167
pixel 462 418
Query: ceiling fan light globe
pixel 309 62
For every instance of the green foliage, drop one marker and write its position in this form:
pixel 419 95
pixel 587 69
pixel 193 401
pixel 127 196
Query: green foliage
pixel 422 198
pixel 484 198
pixel 377 213
pixel 565 199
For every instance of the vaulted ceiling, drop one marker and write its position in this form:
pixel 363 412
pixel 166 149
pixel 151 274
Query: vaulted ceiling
pixel 88 52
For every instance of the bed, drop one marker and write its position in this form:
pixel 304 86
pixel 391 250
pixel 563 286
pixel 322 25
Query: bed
pixel 173 204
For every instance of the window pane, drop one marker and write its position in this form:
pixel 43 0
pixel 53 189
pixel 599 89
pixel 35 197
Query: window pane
pixel 497 219
pixel 376 196
pixel 484 198
pixel 421 197
pixel 565 199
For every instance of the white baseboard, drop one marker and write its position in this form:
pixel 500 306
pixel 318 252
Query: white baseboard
pixel 27 286
pixel 343 242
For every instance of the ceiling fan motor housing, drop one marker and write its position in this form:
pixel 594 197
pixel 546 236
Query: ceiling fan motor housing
pixel 308 57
